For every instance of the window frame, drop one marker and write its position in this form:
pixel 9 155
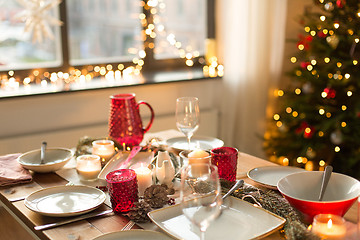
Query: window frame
pixel 151 63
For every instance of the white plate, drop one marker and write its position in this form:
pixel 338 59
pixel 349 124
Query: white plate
pixel 65 201
pixel 205 143
pixel 134 235
pixel 239 220
pixel 142 158
pixel 270 175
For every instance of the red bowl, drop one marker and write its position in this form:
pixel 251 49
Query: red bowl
pixel 302 191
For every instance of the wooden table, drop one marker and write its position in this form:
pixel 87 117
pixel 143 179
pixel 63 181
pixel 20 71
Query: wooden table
pixel 12 199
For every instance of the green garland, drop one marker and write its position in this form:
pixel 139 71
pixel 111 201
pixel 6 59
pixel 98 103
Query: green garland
pixel 294 228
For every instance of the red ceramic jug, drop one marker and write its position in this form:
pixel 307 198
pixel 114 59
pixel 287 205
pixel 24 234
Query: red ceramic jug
pixel 125 125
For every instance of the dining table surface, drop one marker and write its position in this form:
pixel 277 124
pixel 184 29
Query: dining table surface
pixel 12 197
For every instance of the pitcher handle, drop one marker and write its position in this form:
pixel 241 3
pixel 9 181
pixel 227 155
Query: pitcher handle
pixel 152 115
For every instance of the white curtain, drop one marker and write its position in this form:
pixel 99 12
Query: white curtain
pixel 250 39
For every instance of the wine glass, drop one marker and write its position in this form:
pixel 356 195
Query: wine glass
pixel 200 194
pixel 187 116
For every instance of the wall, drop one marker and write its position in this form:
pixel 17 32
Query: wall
pixel 62 118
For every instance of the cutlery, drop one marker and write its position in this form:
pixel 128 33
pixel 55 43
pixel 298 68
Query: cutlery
pixel 42 152
pixel 128 226
pixel 325 181
pixel 132 154
pixel 82 217
pixel 236 186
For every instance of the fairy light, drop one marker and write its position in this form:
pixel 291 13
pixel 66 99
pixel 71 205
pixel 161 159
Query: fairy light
pixel 309 68
pixel 307 29
pixel 288 109
pixel 299 159
pixel 279 124
pixel 349 93
pixel 355 62
pixel 343 124
pixel 356 40
pixel 321 163
pixel 297 91
pixel 321 133
pixel 343 107
pixel 276 117
pixel 336 25
pixel 295 114
pixel 337 149
pixel 326 60
pixel 322 18
pixel 312 33
pixel 321 111
pixel 301 47
pixel 293 59
pixel 328 115
pixel 313 62
pixel 112 72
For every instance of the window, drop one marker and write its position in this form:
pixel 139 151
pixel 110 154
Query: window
pixel 97 37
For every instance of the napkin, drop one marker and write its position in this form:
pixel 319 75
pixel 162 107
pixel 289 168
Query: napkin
pixel 11 172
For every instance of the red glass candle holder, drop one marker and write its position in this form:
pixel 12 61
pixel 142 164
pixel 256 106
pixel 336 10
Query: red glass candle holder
pixel 225 158
pixel 123 189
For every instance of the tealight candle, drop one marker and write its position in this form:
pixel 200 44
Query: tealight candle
pixel 329 226
pixel 88 167
pixel 144 178
pixel 104 149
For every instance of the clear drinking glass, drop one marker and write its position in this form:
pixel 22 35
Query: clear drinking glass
pixel 200 195
pixel 187 116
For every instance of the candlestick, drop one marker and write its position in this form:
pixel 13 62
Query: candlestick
pixel 144 178
pixel 329 226
pixel 104 149
pixel 88 167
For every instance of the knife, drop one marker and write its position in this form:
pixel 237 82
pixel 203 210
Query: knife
pixel 82 217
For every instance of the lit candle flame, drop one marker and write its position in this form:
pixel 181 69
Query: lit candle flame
pixel 329 223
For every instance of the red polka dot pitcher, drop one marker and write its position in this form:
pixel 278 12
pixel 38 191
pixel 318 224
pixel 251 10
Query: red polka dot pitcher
pixel 125 125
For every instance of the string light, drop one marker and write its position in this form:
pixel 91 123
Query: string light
pixel 213 69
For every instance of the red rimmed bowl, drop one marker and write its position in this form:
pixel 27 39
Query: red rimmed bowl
pixel 302 191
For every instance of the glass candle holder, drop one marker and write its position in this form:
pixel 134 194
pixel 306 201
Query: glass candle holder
pixel 225 158
pixel 88 167
pixel 104 149
pixel 123 189
pixel 329 226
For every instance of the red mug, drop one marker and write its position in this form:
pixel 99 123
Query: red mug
pixel 125 125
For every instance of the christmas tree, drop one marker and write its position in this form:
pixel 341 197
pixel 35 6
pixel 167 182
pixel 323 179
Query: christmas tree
pixel 317 122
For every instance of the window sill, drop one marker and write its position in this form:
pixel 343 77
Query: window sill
pixel 102 83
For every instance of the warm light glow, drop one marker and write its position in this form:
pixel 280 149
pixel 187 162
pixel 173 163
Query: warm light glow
pixel 328 115
pixel 339 64
pixel 285 162
pixel 276 117
pixel 313 33
pixel 297 91
pixel 307 29
pixel 355 62
pixel 326 60
pixel 309 67
pixel 343 107
pixel 322 18
pixel 343 124
pixel 337 149
pixel 347 75
pixel 349 93
pixel 324 94
pixel 336 25
pixel 321 133
pixel 356 40
pixel 288 109
pixel 278 123
pixel 295 113
pixel 322 163
pixel 301 47
pixel 321 111
pixel 293 59
pixel 313 62
pixel 329 223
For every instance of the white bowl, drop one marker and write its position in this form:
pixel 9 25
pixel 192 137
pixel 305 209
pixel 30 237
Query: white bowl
pixel 302 191
pixel 55 159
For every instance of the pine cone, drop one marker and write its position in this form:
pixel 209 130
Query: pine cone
pixel 138 213
pixel 156 195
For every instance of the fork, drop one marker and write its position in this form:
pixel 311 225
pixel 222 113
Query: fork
pixel 128 226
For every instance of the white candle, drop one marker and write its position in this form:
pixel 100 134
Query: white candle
pixel 196 158
pixel 199 156
pixel 144 178
pixel 104 149
pixel 329 226
pixel 88 167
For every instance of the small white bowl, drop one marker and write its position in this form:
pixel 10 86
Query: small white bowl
pixel 55 159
